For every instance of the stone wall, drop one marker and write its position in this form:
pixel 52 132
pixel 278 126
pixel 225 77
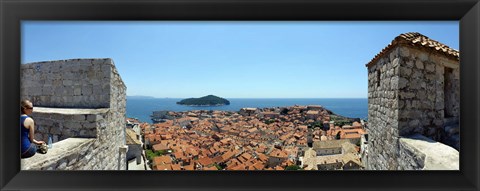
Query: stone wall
pixel 89 102
pixel 62 123
pixel 422 92
pixel 405 97
pixel 77 83
pixel 383 119
pixel 118 106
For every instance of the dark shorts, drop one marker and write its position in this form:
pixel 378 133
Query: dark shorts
pixel 30 151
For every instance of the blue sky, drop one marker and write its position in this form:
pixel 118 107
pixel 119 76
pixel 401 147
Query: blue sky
pixel 229 59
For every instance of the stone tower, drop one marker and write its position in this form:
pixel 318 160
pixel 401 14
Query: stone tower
pixel 81 105
pixel 413 89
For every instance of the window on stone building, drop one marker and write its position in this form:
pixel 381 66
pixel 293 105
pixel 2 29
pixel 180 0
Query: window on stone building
pixel 378 78
pixel 448 92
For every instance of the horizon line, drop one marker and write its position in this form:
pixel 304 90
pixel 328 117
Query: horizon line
pixel 254 97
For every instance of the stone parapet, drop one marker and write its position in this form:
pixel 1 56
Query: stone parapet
pixel 63 123
pixel 79 98
pixel 69 154
pixel 418 152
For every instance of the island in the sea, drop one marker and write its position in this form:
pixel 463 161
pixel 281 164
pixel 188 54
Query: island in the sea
pixel 209 100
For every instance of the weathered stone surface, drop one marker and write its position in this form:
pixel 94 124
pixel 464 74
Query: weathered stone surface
pixel 402 83
pixel 57 155
pixel 51 80
pixel 435 155
pixel 419 64
pixel 70 114
pixel 407 101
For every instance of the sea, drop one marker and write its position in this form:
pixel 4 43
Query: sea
pixel 142 108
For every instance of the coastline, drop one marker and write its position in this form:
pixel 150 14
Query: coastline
pixel 349 107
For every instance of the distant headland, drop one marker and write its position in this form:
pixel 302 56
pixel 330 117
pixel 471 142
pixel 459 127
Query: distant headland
pixel 209 100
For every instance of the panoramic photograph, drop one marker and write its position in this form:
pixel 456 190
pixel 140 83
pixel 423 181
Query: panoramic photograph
pixel 238 95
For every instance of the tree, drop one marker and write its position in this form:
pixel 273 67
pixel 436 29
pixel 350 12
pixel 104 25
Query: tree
pixel 293 167
pixel 150 154
pixel 338 135
pixel 218 166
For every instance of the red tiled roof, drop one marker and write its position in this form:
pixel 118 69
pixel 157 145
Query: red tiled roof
pixel 163 167
pixel 159 147
pixel 228 155
pixel 189 167
pixel 176 167
pixel 259 165
pixel 417 40
pixel 162 160
pixel 211 168
pixel 205 161
pixel 239 167
pixel 278 153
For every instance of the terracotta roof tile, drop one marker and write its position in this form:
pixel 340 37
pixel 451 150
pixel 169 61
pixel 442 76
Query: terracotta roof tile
pixel 278 153
pixel 189 167
pixel 176 167
pixel 205 161
pixel 163 167
pixel 210 168
pixel 418 40
pixel 162 160
pixel 160 147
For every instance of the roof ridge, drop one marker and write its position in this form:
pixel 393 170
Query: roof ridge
pixel 416 36
pixel 419 40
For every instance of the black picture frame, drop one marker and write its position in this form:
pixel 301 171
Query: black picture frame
pixel 12 12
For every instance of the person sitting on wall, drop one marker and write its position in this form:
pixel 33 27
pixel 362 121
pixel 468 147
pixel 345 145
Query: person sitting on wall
pixel 29 144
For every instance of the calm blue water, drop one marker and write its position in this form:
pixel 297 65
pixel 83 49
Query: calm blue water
pixel 142 108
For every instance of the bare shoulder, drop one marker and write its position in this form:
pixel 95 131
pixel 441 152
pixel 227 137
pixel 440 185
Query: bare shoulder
pixel 28 122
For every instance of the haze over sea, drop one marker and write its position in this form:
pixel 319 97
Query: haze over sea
pixel 142 108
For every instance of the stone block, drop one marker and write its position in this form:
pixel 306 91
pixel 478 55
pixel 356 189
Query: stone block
pixel 55 138
pixel 419 64
pixel 72 125
pixel 62 164
pixel 402 83
pixel 438 122
pixel 395 62
pixel 414 123
pixel 406 72
pixel 423 56
pixel 77 90
pixel 67 82
pixel 47 91
pixel 56 130
pixel 404 52
pixel 86 90
pixel 39 136
pixel 439 105
pixel 430 67
pixel 91 118
pixel 97 89
pixel 430 77
pixel 83 133
pixel 79 117
pixel 408 63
